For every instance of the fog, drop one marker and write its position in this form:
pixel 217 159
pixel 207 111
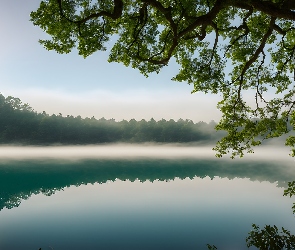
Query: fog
pixel 135 151
pixel 136 104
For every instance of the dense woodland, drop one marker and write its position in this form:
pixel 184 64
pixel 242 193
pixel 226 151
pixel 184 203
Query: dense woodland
pixel 19 123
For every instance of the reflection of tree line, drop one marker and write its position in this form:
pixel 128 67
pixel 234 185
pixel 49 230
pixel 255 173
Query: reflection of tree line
pixel 19 180
pixel 19 123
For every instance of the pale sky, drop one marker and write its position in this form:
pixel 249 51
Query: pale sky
pixel 71 85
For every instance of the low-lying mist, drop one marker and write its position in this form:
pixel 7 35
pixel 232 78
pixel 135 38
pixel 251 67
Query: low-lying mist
pixel 135 151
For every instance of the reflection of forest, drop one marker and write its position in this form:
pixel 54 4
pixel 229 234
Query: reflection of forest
pixel 19 180
pixel 19 123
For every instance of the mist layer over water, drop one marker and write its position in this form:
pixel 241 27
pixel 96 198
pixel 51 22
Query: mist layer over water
pixel 133 151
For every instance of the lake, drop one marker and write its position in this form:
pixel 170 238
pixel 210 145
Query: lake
pixel 139 197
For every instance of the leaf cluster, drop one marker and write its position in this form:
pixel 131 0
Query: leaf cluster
pixel 270 238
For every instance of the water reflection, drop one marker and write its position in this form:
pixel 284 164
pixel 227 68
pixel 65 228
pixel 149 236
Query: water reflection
pixel 125 215
pixel 20 179
pixel 141 202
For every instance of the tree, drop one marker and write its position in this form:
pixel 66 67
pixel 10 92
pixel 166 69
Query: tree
pixel 227 47
pixel 270 238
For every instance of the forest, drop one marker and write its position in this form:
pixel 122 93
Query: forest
pixel 19 123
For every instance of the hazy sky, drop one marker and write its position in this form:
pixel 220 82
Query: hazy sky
pixel 69 84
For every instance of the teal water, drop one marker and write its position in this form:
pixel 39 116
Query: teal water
pixel 140 203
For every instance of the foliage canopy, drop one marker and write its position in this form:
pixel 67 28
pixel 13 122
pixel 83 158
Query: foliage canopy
pixel 235 48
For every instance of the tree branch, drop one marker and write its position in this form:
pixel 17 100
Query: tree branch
pixel 259 50
pixel 117 13
pixel 275 9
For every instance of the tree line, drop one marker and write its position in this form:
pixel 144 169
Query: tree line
pixel 19 123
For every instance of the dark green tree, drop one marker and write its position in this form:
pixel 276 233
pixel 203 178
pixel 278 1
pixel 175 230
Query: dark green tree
pixel 19 123
pixel 270 238
pixel 253 40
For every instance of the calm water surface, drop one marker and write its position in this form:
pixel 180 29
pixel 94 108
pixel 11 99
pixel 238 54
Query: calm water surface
pixel 142 203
